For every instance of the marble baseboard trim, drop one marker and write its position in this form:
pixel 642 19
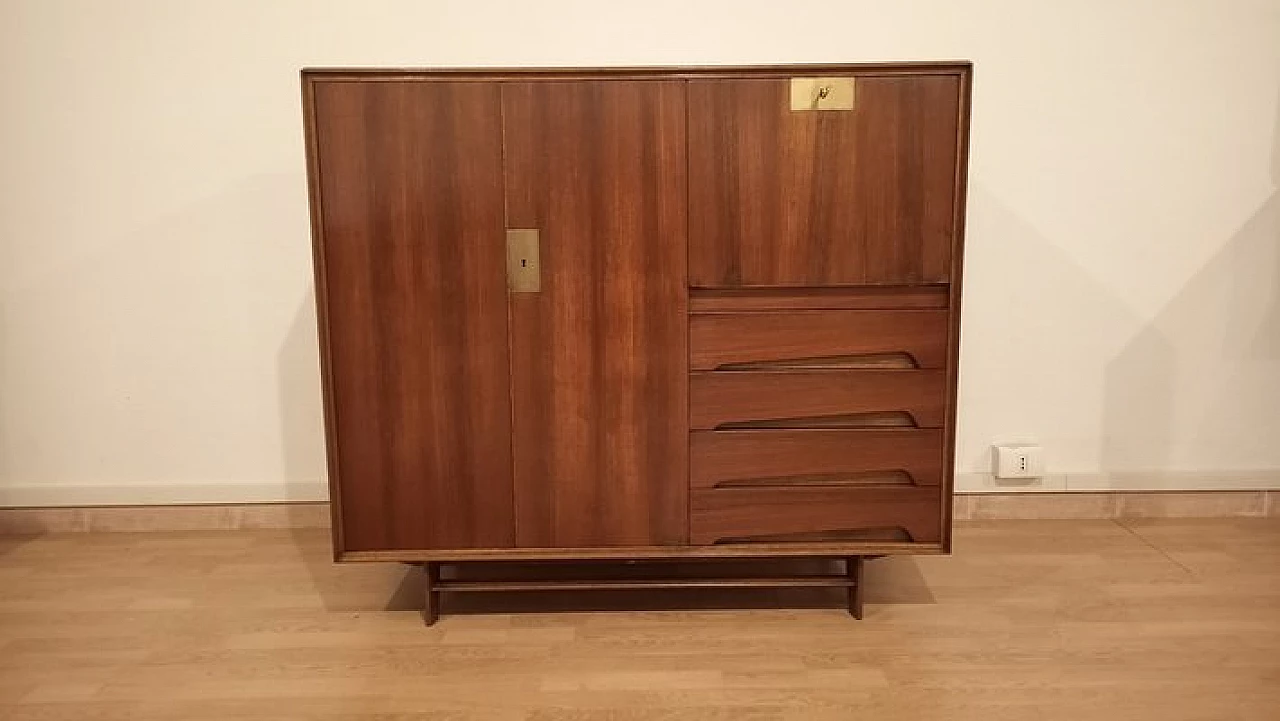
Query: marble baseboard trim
pixel 170 494
pixel 225 517
pixel 968 506
pixel 1105 505
pixel 1263 479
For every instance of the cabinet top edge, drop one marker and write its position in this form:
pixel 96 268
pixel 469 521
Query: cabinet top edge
pixel 673 72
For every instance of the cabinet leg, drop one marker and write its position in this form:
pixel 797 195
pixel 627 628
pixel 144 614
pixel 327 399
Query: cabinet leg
pixel 853 568
pixel 431 600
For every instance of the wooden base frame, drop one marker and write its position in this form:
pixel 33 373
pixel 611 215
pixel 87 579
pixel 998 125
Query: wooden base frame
pixel 851 579
pixel 624 554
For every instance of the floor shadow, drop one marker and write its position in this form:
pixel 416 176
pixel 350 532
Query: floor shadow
pixel 11 543
pixel 896 580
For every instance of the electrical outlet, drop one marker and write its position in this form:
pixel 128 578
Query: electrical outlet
pixel 1019 460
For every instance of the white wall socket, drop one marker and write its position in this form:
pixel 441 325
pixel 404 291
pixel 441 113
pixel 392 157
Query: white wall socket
pixel 1019 460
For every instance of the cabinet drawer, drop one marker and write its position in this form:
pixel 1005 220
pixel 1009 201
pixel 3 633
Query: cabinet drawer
pixel 751 515
pixel 818 339
pixel 808 458
pixel 817 399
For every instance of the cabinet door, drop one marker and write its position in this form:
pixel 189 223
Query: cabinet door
pixel 822 197
pixel 599 354
pixel 411 277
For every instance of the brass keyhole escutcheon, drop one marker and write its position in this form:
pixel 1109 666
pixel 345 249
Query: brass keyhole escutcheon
pixel 822 93
pixel 523 255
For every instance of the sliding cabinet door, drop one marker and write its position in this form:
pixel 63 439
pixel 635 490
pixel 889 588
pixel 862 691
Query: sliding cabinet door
pixel 599 351
pixel 410 263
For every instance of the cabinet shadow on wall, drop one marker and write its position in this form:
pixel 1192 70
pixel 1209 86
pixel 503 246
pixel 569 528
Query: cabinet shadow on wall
pixel 1196 378
pixel 302 440
pixel 1202 377
pixel 8 541
pixel 349 588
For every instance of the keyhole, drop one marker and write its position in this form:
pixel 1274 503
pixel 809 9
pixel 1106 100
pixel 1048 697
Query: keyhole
pixel 523 263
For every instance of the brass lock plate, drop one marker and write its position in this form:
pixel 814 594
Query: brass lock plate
pixel 822 93
pixel 524 266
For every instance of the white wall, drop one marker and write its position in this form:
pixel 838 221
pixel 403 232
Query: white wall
pixel 157 336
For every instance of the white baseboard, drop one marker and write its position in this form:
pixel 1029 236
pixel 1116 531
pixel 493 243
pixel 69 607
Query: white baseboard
pixel 51 495
pixel 1251 480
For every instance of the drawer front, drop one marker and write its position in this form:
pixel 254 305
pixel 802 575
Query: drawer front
pixel 888 297
pixel 817 398
pixel 749 515
pixel 805 458
pixel 818 339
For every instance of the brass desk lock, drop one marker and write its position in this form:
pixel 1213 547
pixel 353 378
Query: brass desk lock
pixel 821 94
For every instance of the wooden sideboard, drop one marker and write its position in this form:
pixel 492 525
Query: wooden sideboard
pixel 638 313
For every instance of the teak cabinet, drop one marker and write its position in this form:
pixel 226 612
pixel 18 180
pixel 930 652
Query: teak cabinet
pixel 638 313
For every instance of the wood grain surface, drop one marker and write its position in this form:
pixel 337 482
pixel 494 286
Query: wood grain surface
pixel 780 197
pixel 1140 620
pixel 821 396
pixel 829 298
pixel 599 356
pixel 809 242
pixel 410 256
pixel 725 339
pixel 720 457
pixel 743 514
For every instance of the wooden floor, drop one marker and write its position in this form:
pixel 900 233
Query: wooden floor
pixel 1042 620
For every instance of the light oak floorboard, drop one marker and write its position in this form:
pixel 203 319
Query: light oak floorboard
pixel 1127 620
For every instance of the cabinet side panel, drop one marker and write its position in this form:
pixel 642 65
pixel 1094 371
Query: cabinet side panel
pixel 957 281
pixel 410 179
pixel 600 354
